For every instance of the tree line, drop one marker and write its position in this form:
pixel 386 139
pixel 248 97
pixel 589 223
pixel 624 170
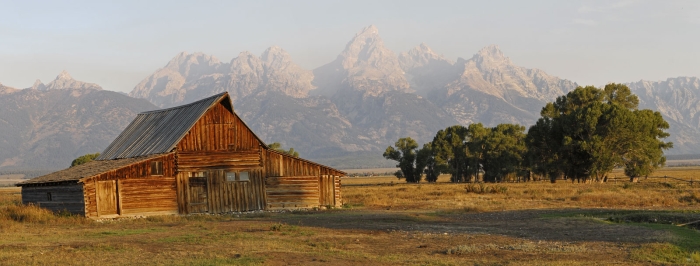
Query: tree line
pixel 582 136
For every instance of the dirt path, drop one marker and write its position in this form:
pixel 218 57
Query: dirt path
pixel 552 225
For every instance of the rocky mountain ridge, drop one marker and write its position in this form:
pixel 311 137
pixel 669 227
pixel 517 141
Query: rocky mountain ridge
pixel 365 66
pixel 368 92
pixel 48 128
pixel 189 76
pixel 678 100
pixel 352 107
pixel 64 81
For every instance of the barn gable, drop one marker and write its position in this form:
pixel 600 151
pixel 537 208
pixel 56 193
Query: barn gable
pixel 219 140
pixel 160 131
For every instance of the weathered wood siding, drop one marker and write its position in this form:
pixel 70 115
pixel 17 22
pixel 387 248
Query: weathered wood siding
pixel 134 190
pixel 329 194
pixel 148 195
pixel 220 142
pixel 286 192
pixel 67 197
pixel 222 160
pixel 218 130
pixel 291 192
pixel 218 195
pixel 297 183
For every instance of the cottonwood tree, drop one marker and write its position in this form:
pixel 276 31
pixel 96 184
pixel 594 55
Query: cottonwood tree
pixel 405 153
pixel 505 149
pixel 476 147
pixel 450 152
pixel 590 131
pixel 425 158
pixel 543 142
pixel 460 150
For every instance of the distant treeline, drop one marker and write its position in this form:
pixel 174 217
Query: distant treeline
pixel 583 135
pixel 27 173
pixel 683 157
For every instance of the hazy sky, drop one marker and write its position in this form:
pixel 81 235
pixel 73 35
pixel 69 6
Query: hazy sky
pixel 118 44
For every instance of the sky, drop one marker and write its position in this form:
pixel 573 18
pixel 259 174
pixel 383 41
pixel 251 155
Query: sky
pixel 117 44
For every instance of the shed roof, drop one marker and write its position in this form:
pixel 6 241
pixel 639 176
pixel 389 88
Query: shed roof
pixel 159 131
pixel 89 169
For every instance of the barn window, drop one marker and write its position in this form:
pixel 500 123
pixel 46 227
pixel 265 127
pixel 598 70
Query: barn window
pixel 230 176
pixel 156 168
pixel 243 176
pixel 48 196
pixel 240 176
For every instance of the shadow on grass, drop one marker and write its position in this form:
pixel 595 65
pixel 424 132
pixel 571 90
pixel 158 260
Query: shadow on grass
pixel 554 225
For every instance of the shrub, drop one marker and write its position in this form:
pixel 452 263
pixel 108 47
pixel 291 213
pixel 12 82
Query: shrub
pixel 691 198
pixel 483 189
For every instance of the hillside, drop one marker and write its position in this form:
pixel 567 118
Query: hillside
pixel 48 128
pixel 678 100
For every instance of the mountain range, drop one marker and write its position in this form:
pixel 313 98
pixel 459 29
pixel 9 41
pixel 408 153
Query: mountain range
pixel 352 107
pixel 47 126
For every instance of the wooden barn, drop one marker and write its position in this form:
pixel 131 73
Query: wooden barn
pixel 195 158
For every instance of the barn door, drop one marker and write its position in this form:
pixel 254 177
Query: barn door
pixel 107 197
pixel 197 191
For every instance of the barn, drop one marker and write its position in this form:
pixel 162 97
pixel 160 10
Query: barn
pixel 195 158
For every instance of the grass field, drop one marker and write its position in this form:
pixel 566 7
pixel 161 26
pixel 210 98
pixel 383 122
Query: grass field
pixel 386 222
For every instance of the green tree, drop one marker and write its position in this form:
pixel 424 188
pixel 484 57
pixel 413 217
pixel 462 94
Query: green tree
pixel 505 149
pixel 476 147
pixel 425 159
pixel 406 154
pixel 543 143
pixel 278 147
pixel 459 151
pixel 84 159
pixel 450 151
pixel 588 132
pixel 642 153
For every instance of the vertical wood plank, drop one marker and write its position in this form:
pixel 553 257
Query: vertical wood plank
pixel 119 198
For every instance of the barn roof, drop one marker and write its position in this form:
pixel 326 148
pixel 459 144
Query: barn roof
pixel 159 131
pixel 89 169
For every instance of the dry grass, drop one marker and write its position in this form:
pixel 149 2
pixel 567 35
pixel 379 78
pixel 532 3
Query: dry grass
pixel 388 192
pixel 426 224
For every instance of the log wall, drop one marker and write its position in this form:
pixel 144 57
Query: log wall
pixel 292 192
pixel 137 192
pixel 222 160
pixel 141 196
pixel 297 183
pixel 67 197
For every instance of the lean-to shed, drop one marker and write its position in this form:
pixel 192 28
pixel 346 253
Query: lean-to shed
pixel 195 158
